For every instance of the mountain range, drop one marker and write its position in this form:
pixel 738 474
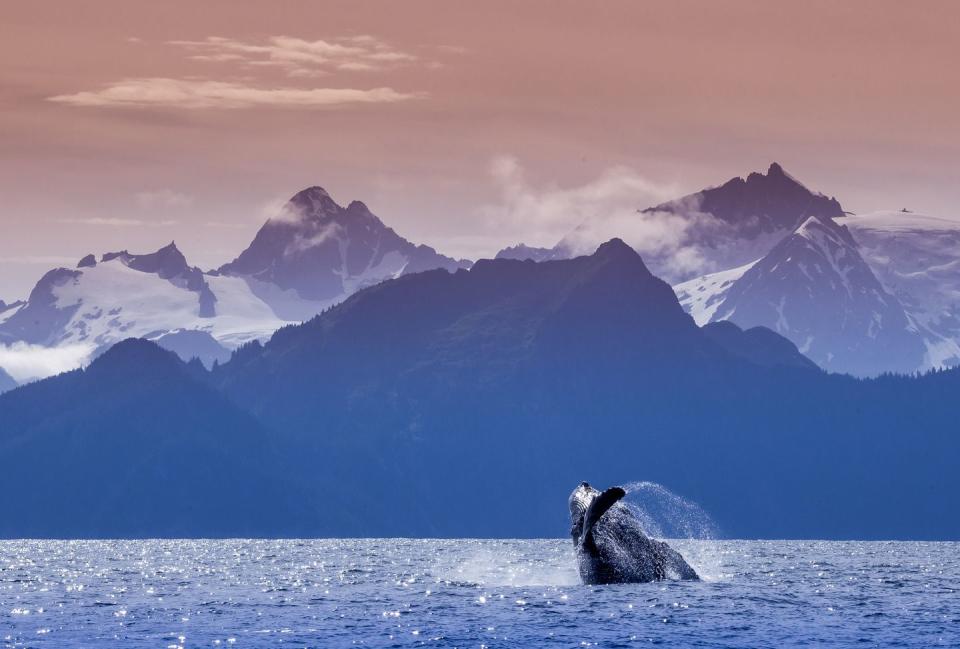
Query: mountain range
pixel 858 294
pixel 319 252
pixel 861 295
pixel 313 254
pixel 815 288
pixel 466 404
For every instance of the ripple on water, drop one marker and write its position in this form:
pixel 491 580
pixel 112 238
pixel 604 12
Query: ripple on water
pixel 494 593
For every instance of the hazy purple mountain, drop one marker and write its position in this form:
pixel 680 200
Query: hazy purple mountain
pixel 758 345
pixel 522 252
pixel 815 289
pixel 433 331
pixel 136 445
pixel 781 261
pixel 381 416
pixel 42 319
pixel 123 294
pixel 168 263
pixel 312 255
pixel 760 203
pixel 7 309
pixel 4 306
pixel 917 259
pixel 324 252
pixel 723 227
pixel 7 382
pixel 192 343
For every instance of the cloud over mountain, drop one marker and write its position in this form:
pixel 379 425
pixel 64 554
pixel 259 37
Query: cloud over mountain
pixel 586 215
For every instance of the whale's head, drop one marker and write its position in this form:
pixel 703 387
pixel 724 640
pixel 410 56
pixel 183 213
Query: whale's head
pixel 587 506
pixel 580 500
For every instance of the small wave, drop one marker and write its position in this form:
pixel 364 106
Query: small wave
pixel 503 566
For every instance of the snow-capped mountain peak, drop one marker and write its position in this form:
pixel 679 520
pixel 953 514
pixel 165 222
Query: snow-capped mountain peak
pixel 310 204
pixel 320 252
pixel 916 257
pixel 721 227
pixel 758 203
pixel 815 288
pixel 310 255
pixel 135 295
pixel 166 262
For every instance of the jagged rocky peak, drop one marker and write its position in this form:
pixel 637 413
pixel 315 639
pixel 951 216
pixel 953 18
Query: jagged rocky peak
pixel 616 252
pixel 358 207
pixel 166 262
pixel 522 251
pixel 89 261
pixel 759 203
pixel 775 173
pixel 819 231
pixel 358 210
pixel 110 256
pixel 324 252
pixel 815 289
pixel 313 207
pixel 310 203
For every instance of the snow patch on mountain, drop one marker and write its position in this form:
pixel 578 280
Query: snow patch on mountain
pixel 815 289
pixel 311 254
pixel 702 296
pixel 73 313
pixel 917 258
pixel 8 310
pixel 715 229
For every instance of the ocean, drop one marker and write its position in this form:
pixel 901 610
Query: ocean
pixel 169 594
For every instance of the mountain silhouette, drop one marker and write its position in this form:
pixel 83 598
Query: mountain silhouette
pixel 815 288
pixel 424 405
pixel 7 382
pixel 759 203
pixel 324 252
pixel 135 446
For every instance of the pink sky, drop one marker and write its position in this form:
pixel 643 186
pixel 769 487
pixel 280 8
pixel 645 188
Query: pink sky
pixel 129 124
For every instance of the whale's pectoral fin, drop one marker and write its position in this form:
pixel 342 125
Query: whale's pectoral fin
pixel 598 508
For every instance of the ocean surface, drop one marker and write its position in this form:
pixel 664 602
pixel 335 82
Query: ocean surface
pixel 470 593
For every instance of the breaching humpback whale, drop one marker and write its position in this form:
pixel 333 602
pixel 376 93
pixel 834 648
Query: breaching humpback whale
pixel 611 546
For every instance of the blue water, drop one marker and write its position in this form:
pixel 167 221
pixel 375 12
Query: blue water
pixel 469 593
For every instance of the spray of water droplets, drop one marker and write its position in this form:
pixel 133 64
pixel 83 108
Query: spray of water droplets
pixel 664 514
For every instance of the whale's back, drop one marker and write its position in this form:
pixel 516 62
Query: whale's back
pixel 621 552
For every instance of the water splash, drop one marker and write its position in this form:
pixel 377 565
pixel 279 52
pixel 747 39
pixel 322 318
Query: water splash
pixel 665 515
pixel 511 563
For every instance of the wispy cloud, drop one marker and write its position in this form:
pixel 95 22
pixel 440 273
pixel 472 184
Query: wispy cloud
pixel 165 198
pixel 197 94
pixel 26 362
pixel 544 214
pixel 584 216
pixel 298 56
pixel 302 242
pixel 120 222
pixel 240 85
